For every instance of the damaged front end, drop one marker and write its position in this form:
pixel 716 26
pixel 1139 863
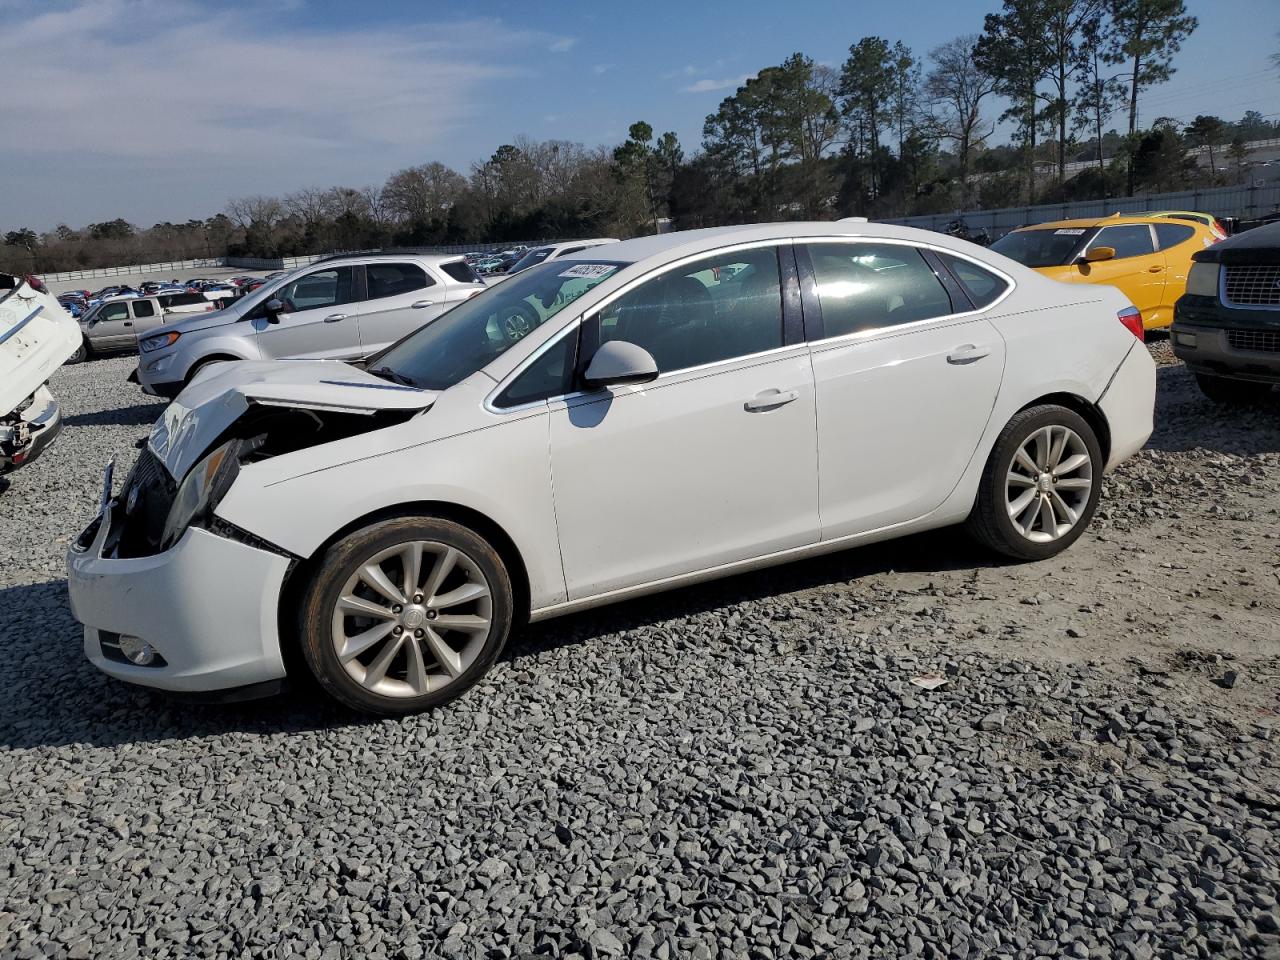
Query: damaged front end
pixel 228 421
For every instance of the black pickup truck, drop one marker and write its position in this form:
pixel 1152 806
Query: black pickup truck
pixel 1226 327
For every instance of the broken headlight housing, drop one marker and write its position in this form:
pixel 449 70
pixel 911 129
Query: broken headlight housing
pixel 202 489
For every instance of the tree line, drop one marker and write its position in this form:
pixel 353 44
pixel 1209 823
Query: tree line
pixel 889 132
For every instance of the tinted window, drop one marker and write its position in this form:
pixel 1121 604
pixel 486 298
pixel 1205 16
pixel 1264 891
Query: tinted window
pixel 571 250
pixel 114 311
pixel 461 271
pixel 531 259
pixel 324 288
pixel 717 308
pixel 1171 234
pixel 1131 240
pixel 181 299
pixel 1042 248
pixel 144 308
pixel 982 286
pixel 551 375
pixel 393 279
pixel 863 286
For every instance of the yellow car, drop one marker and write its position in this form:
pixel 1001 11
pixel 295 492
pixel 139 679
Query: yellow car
pixel 1146 257
pixel 1208 219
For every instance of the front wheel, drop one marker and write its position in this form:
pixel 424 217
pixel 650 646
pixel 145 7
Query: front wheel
pixel 405 614
pixel 1041 485
pixel 81 354
pixel 1224 390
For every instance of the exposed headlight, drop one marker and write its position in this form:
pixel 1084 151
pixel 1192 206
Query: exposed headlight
pixel 149 344
pixel 1202 281
pixel 202 490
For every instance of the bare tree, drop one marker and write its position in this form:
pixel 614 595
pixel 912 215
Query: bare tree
pixel 422 193
pixel 956 89
pixel 246 211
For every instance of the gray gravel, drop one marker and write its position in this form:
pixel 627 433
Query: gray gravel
pixel 738 770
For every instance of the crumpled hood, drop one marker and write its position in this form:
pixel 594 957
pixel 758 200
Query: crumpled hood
pixel 36 336
pixel 221 394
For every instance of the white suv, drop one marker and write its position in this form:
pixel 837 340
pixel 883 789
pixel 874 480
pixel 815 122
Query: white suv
pixel 339 308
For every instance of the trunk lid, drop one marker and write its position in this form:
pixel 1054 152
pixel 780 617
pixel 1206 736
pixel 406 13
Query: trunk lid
pixel 36 336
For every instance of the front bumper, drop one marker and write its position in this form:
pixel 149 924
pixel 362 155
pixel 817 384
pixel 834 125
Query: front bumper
pixel 1203 333
pixel 209 605
pixel 42 423
pixel 155 375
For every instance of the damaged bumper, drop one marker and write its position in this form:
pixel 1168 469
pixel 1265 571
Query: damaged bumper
pixel 24 437
pixel 206 609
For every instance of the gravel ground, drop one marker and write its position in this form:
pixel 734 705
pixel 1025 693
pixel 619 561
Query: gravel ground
pixel 736 770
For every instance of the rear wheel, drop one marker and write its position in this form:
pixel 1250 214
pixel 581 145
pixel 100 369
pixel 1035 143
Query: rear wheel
pixel 405 614
pixel 1233 392
pixel 1041 484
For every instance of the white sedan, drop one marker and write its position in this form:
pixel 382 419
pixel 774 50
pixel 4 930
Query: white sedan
pixel 632 418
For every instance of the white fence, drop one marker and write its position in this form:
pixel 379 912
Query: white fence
pixel 173 266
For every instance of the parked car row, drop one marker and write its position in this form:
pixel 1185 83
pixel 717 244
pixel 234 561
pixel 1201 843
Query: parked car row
pixel 612 422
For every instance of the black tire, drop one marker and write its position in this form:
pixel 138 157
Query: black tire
pixel 341 561
pixel 1230 392
pixel 82 353
pixel 990 524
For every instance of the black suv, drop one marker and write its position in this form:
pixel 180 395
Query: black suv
pixel 1227 325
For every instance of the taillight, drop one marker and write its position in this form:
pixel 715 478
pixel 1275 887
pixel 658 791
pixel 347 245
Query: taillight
pixel 1131 317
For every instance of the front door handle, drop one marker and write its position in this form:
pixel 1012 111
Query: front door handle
pixel 967 354
pixel 770 399
pixel 420 304
pixel 335 317
pixel 1155 269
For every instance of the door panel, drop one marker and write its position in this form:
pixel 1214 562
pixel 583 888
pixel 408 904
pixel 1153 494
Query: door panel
pixel 1137 270
pixel 401 297
pixel 899 418
pixel 323 323
pixel 112 329
pixel 679 475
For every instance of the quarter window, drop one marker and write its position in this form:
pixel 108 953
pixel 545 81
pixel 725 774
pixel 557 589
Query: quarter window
pixel 866 286
pixel 393 279
pixel 143 308
pixel 551 375
pixel 1130 240
pixel 1171 234
pixel 716 308
pixel 982 286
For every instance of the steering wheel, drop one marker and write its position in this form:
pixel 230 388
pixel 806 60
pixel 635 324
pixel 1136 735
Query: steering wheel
pixel 518 322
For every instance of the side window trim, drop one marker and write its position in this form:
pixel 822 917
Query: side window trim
pixel 960 302
pixel 792 307
pixel 814 328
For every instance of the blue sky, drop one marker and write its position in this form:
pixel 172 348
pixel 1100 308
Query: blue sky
pixel 164 109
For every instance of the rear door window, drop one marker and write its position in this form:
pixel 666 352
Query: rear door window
pixel 393 279
pixel 144 308
pixel 866 286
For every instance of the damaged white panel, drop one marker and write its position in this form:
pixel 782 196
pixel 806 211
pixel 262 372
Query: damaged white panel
pixel 36 336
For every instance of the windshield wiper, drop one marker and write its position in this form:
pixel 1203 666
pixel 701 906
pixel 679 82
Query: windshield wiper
pixel 395 376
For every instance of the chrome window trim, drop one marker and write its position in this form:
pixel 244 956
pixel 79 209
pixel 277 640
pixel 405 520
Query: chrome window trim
pixel 843 339
pixel 576 322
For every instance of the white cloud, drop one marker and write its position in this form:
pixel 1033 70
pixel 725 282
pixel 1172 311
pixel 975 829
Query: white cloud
pixel 563 45
pixel 707 85
pixel 199 95
pixel 601 68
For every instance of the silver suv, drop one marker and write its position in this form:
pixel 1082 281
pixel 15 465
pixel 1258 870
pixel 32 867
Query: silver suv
pixel 338 308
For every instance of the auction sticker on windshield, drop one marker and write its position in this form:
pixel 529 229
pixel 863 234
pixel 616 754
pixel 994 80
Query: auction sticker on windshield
pixel 590 271
pixel 1069 232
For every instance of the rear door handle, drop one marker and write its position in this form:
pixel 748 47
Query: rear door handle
pixel 966 354
pixel 770 400
pixel 335 317
pixel 423 303
pixel 1155 269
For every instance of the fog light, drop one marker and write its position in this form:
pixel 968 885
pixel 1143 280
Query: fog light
pixel 1187 339
pixel 137 651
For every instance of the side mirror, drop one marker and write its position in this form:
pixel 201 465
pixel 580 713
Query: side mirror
pixel 1100 253
pixel 274 307
pixel 618 363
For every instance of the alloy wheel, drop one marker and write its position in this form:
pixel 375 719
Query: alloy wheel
pixel 412 618
pixel 1048 484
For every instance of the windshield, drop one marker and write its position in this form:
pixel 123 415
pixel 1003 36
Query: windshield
pixel 1043 248
pixel 531 259
pixel 478 331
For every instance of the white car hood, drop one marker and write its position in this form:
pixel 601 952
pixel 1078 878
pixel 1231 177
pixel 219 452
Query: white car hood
pixel 223 392
pixel 36 336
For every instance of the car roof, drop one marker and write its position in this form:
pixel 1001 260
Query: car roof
pixel 1112 220
pixel 672 246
